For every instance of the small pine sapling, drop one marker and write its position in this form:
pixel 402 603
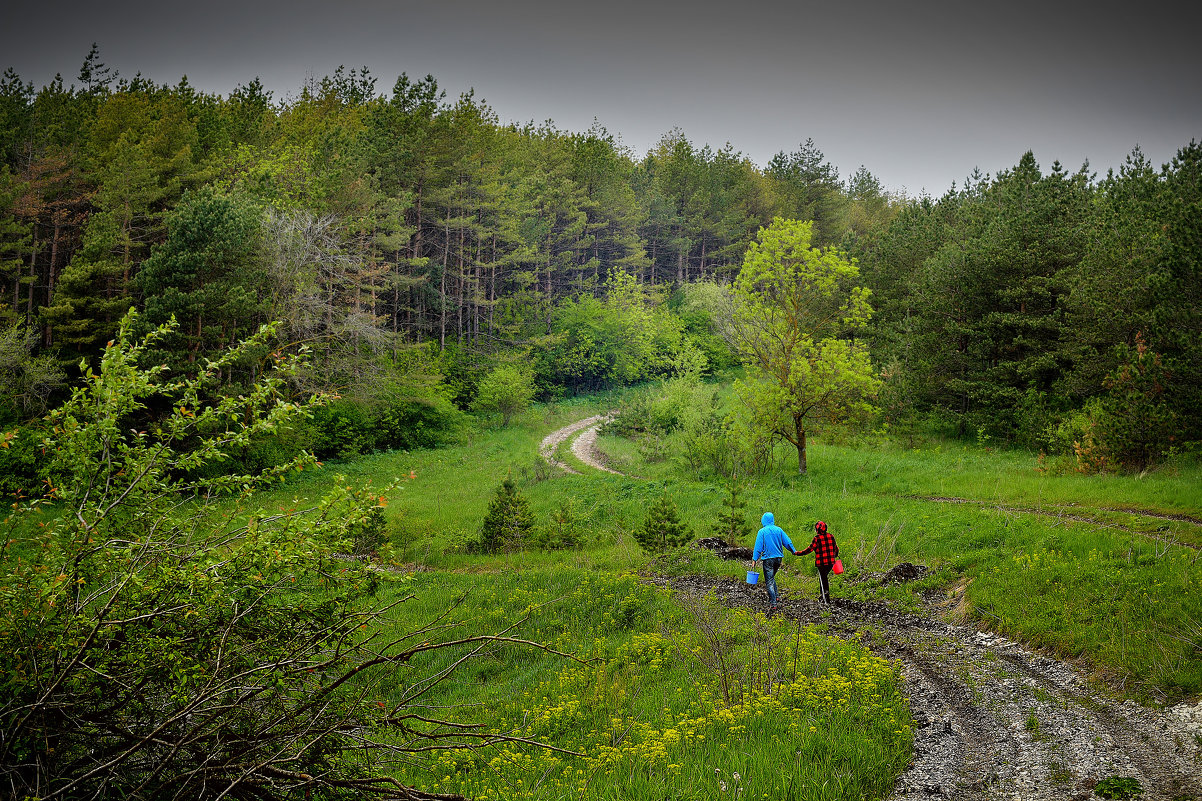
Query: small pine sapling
pixel 731 525
pixel 662 528
pixel 508 522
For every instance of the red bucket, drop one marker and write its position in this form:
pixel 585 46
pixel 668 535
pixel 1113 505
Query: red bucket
pixel 838 568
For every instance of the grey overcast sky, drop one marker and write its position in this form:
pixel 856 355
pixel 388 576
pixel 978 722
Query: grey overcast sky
pixel 918 92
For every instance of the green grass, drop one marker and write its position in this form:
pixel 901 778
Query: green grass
pixel 673 701
pixel 650 716
pixel 1107 589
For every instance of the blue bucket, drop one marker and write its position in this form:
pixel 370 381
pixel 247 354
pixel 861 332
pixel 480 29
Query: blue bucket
pixel 753 577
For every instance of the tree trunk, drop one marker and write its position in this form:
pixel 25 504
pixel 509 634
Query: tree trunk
pixel 47 335
pixel 548 298
pixel 442 287
pixel 33 261
pixel 460 288
pixel 801 449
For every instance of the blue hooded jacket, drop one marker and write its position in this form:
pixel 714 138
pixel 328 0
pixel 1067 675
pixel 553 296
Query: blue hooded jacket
pixel 770 540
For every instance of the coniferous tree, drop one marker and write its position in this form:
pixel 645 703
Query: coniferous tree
pixel 508 522
pixel 662 527
pixel 731 524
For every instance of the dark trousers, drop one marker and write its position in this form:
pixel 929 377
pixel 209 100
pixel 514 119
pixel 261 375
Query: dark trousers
pixel 770 567
pixel 824 583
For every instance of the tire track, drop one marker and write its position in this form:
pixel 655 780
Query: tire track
pixel 586 453
pixel 994 720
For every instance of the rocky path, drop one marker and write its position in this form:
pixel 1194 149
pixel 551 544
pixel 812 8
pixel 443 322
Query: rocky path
pixel 584 447
pixel 994 720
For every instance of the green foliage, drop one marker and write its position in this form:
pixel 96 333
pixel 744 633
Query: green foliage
pixel 369 535
pixel 564 529
pixel 1133 425
pixel 16 235
pixel 28 380
pixel 201 653
pixel 399 420
pixel 342 429
pixel 21 458
pixel 419 416
pixel 794 308
pixel 626 338
pixel 199 276
pixel 1119 787
pixel 731 524
pixel 661 408
pixel 505 389
pixel 508 523
pixel 704 307
pixel 367 223
pixel 662 527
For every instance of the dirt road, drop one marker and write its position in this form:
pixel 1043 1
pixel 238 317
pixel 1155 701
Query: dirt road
pixel 993 720
pixel 997 721
pixel 584 447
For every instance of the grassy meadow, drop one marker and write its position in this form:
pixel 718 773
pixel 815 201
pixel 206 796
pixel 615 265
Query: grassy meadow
pixel 667 698
pixel 676 698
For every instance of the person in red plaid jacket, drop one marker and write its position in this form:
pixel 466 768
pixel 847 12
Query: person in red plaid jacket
pixel 825 551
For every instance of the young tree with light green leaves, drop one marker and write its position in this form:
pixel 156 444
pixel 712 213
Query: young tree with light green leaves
pixel 157 644
pixel 796 309
pixel 507 390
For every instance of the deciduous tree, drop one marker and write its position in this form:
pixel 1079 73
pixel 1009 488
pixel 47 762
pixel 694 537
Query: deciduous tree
pixel 796 309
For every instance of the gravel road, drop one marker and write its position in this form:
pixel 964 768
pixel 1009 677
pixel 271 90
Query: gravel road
pixel 994 720
pixel 584 447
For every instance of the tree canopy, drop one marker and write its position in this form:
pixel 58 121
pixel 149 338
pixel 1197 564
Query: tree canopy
pixel 796 308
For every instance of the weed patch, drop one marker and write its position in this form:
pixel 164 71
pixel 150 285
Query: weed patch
pixel 673 700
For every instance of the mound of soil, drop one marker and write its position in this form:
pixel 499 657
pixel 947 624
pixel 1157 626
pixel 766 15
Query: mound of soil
pixel 724 551
pixel 904 572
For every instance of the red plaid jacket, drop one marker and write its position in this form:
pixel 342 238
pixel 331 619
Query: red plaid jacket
pixel 824 549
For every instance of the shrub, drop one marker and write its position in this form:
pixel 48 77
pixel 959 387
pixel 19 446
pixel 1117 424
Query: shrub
pixel 420 420
pixel 508 522
pixel 369 535
pixel 196 655
pixel 662 527
pixel 343 429
pixel 564 530
pixel 20 454
pixel 507 390
pixel 400 420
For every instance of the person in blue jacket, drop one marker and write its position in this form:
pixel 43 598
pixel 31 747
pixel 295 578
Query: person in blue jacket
pixel 771 542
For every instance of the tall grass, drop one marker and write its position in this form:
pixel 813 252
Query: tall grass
pixel 693 701
pixel 1109 588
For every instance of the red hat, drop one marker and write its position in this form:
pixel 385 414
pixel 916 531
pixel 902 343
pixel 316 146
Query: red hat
pixel 820 526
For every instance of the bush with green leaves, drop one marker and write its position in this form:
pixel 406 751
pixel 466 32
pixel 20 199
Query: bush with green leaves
pixel 20 456
pixel 508 522
pixel 506 390
pixel 399 420
pixel 342 429
pixel 662 527
pixel 154 645
pixel 28 380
